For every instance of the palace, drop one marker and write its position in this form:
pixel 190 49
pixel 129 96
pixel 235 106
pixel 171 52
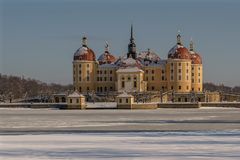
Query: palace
pixel 181 72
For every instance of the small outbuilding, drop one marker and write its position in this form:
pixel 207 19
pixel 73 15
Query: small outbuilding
pixel 76 101
pixel 124 101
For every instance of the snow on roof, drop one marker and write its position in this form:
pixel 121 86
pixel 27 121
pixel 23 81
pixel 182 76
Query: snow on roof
pixel 129 61
pixel 75 94
pixel 149 55
pixel 106 65
pixel 81 51
pixel 124 94
pixel 129 69
pixel 174 48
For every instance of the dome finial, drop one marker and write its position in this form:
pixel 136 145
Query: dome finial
pixel 191 48
pixel 179 42
pixel 106 47
pixel 84 41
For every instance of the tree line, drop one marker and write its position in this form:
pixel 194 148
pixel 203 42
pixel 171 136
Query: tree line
pixel 15 87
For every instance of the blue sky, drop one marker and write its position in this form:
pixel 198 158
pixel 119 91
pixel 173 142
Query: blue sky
pixel 38 37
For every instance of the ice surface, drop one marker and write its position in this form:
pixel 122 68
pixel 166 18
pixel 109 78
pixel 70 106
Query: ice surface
pixel 128 145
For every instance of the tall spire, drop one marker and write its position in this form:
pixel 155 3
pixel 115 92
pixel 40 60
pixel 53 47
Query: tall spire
pixel 179 41
pixel 132 46
pixel 191 47
pixel 131 33
pixel 84 41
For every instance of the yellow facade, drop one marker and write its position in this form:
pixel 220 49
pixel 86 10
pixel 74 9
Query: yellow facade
pixel 181 72
pixel 176 75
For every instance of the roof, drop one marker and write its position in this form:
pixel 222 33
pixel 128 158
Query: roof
pixel 75 94
pixel 124 94
pixel 129 69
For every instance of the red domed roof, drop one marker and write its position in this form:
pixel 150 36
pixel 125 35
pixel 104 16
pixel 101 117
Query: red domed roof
pixel 179 52
pixel 84 53
pixel 106 58
pixel 196 58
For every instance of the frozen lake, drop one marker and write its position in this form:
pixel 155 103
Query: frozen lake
pixel 167 134
pixel 212 145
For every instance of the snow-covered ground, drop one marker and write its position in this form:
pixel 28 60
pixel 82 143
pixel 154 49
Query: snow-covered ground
pixel 127 145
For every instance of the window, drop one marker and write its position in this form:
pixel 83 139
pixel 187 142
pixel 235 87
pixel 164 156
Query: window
pixel 192 89
pixel 80 78
pixel 97 78
pixel 162 87
pixel 77 100
pixel 126 100
pixel 171 70
pixel 171 87
pixel 179 64
pixel 199 74
pixel 100 78
pixel 179 99
pixel 198 89
pixel 79 65
pixel 111 88
pixel 105 89
pixel 135 78
pixel 80 89
pixel 110 71
pixel 120 100
pixel 105 72
pixel 110 78
pixel 152 71
pixel 135 84
pixel 152 78
pixel 187 87
pixel 88 78
pixel 129 78
pixel 199 68
pixel 153 88
pixel 163 78
pixel 80 72
pixel 74 72
pixel 187 64
pixel 123 78
pixel 87 88
pixel 187 69
pixel 192 80
pixel 162 71
pixel 199 80
pixel 186 100
pixel 88 71
pixel 87 65
pixel 192 74
pixel 123 84
pixel 172 64
pixel 146 71
pixel 179 70
pixel 146 78
pixel 179 87
pixel 100 72
pixel 179 77
pixel 71 100
pixel 105 78
pixel 172 78
pixel 187 77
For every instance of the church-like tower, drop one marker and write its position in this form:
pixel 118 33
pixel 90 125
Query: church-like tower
pixel 132 46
